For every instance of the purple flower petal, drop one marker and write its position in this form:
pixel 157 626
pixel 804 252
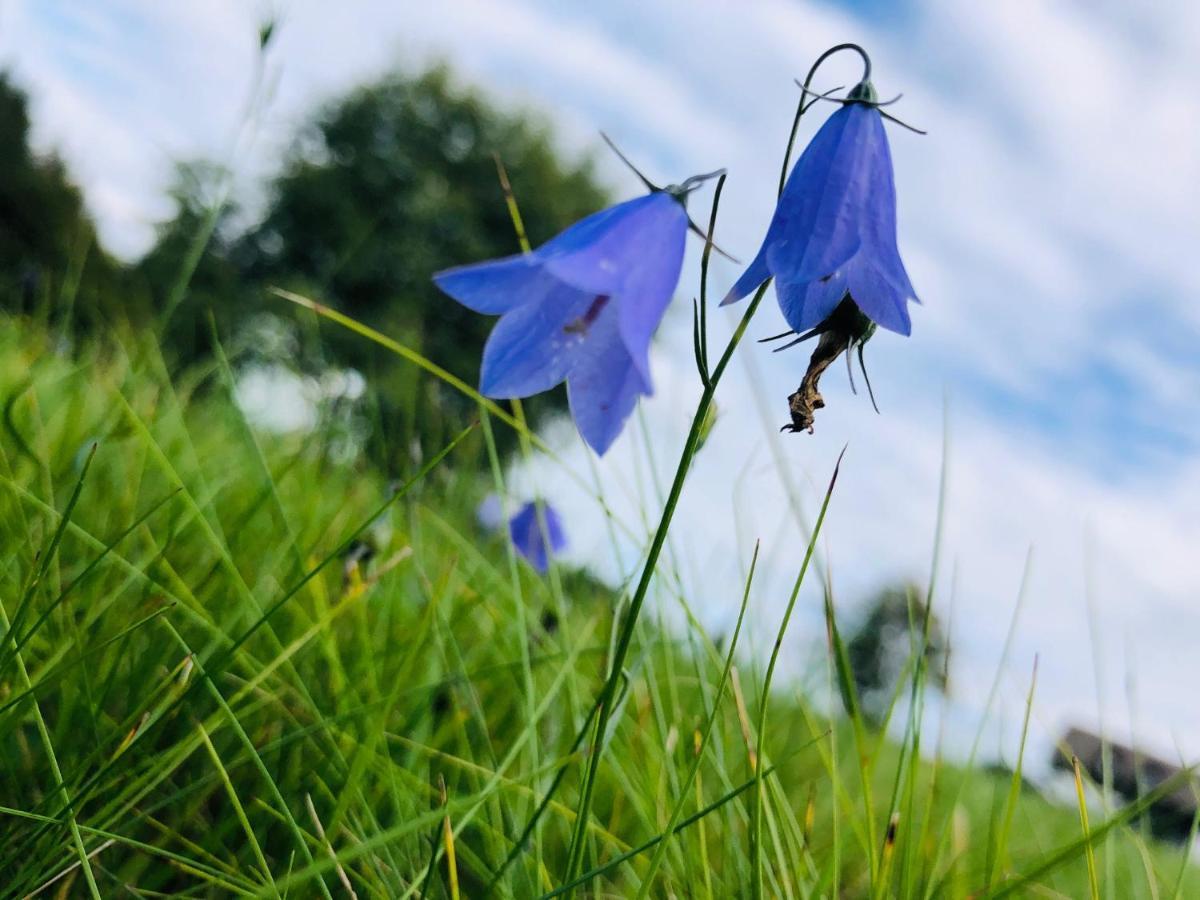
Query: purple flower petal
pixel 755 274
pixel 496 287
pixel 816 225
pixel 531 348
pixel 877 296
pixel 525 530
pixel 649 283
pixel 632 252
pixel 583 307
pixel 594 254
pixel 604 387
pixel 807 305
pixel 879 221
pixel 834 229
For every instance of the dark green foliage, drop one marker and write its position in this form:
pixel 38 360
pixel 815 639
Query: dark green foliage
pixel 49 259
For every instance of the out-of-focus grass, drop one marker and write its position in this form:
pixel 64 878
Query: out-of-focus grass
pixel 201 695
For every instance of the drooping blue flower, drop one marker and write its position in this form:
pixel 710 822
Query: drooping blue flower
pixel 834 228
pixel 525 529
pixel 582 308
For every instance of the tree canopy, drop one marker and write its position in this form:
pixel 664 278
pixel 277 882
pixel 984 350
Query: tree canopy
pixel 381 189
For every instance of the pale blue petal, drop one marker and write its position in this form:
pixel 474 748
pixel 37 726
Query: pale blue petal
pixel 877 296
pixel 603 252
pixel 879 225
pixel 807 305
pixel 650 277
pixel 756 273
pixel 525 530
pixel 497 286
pixel 532 348
pixel 816 227
pixel 604 387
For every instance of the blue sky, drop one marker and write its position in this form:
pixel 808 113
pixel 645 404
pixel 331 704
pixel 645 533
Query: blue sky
pixel 1048 220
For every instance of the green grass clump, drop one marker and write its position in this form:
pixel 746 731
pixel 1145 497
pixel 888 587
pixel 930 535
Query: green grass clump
pixel 204 692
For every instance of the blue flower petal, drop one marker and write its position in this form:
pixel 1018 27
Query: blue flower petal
pixel 632 252
pixel 604 386
pixel 816 225
pixel 495 287
pixel 755 274
pixel 877 296
pixel 807 305
pixel 525 530
pixel 532 348
pixel 650 279
pixel 879 221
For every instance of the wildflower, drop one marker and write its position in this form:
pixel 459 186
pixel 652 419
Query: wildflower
pixel 525 529
pixel 582 308
pixel 831 244
pixel 489 513
pixel 834 230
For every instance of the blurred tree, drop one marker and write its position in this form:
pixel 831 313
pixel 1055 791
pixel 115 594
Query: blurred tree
pixel 383 188
pixel 882 645
pixel 191 271
pixel 49 259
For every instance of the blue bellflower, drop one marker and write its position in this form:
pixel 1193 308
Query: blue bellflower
pixel 525 529
pixel 582 308
pixel 834 229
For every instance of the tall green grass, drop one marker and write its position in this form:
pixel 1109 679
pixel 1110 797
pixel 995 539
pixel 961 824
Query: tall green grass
pixel 202 695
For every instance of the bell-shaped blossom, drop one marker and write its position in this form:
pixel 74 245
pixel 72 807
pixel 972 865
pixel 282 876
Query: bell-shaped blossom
pixel 834 228
pixel 536 545
pixel 582 308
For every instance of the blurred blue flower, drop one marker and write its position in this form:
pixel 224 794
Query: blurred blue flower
pixel 582 309
pixel 526 532
pixel 834 228
pixel 489 513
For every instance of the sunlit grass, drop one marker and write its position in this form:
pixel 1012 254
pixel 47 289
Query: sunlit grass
pixel 199 696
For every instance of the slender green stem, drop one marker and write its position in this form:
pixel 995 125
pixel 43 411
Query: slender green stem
pixel 756 882
pixel 625 638
pixel 661 851
pixel 575 853
pixel 27 683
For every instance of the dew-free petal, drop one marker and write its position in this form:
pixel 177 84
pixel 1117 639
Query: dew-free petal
pixel 879 224
pixel 878 297
pixel 604 387
pixel 603 252
pixel 816 226
pixel 530 349
pixel 525 530
pixel 807 305
pixel 756 273
pixel 496 287
pixel 649 282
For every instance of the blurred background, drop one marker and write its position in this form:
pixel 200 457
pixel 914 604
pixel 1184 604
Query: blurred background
pixel 1048 221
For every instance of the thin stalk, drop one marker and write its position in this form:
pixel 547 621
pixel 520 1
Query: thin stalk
pixel 575 853
pixel 660 852
pixel 625 638
pixel 756 884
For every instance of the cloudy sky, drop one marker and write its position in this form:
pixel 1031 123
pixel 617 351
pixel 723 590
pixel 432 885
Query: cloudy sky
pixel 1048 221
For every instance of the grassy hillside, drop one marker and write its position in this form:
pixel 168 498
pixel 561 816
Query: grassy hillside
pixel 234 664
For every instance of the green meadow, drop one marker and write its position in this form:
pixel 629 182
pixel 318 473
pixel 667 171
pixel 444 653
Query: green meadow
pixel 204 690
